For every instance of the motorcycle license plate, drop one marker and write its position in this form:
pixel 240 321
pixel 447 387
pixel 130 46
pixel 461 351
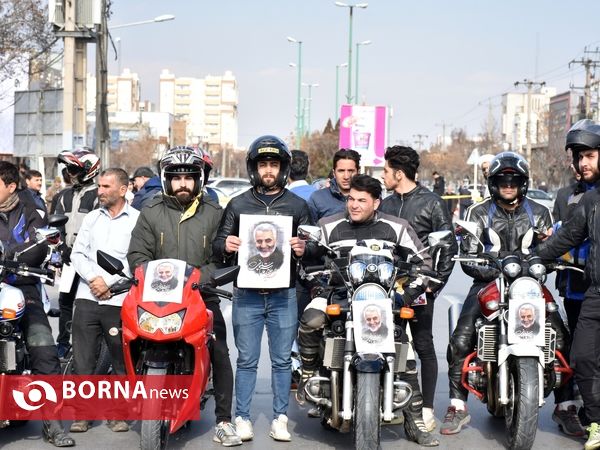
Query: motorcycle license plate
pixel 526 321
pixel 373 326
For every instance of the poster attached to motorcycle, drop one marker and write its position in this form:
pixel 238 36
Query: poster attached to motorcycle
pixel 164 281
pixel 265 253
pixel 374 326
pixel 526 321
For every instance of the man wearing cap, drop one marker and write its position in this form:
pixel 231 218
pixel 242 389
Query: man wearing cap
pixel 147 185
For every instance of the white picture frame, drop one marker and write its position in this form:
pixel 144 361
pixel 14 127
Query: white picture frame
pixel 526 321
pixel 373 326
pixel 265 252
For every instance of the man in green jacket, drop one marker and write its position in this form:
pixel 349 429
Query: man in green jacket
pixel 182 224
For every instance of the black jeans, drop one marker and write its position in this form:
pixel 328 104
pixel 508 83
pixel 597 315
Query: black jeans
pixel 572 308
pixel 91 323
pixel 38 334
pixel 222 371
pixel 462 343
pixel 585 353
pixel 421 328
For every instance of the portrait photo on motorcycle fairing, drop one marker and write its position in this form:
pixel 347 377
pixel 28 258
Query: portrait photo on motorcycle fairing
pixel 265 253
pixel 166 282
pixel 376 328
pixel 527 324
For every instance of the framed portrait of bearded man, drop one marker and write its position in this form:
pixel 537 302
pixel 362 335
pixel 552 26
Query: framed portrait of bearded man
pixel 265 253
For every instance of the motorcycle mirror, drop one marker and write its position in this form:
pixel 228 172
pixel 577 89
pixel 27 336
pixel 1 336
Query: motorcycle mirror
pixel 309 233
pixel 439 237
pixel 109 263
pixel 224 276
pixel 57 220
pixel 47 234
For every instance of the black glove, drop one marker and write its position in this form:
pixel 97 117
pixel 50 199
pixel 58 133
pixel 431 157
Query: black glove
pixel 65 252
pixel 410 295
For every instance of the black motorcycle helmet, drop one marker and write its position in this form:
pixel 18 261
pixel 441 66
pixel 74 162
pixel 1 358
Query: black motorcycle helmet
pixel 181 161
pixel 268 147
pixel 583 135
pixel 505 165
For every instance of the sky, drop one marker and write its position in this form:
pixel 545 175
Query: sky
pixel 433 62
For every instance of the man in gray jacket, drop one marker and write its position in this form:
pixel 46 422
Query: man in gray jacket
pixel 182 224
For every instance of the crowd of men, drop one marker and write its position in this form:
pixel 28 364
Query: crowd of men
pixel 104 215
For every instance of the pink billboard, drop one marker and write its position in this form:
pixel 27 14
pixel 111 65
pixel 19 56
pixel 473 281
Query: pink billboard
pixel 364 129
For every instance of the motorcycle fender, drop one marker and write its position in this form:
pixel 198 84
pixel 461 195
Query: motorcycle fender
pixel 520 350
pixel 368 362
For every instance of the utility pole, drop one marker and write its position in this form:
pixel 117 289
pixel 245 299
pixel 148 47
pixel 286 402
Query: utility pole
pixel 443 125
pixel 530 84
pixel 102 136
pixel 589 64
pixel 420 141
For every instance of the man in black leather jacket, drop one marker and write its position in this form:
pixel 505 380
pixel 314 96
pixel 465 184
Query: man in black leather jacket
pixel 268 163
pixel 18 222
pixel 426 212
pixel 509 214
pixel 584 137
pixel 341 231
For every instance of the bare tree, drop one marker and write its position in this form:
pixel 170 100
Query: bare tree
pixel 25 37
pixel 134 154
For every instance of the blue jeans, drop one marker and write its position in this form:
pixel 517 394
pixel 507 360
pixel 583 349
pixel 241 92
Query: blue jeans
pixel 251 313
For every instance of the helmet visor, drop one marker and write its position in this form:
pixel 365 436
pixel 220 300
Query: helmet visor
pixel 504 180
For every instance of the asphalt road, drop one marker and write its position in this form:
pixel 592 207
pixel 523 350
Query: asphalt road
pixel 483 432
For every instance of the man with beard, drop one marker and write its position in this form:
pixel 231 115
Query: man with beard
pixel 528 327
pixel 268 164
pixel 269 257
pixel 374 329
pixel 182 224
pixel 96 310
pixel 164 278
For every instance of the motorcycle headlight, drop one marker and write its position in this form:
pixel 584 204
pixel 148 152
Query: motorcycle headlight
pixel 511 266
pixel 536 269
pixel 356 272
pixel 386 273
pixel 168 324
pixel 369 291
pixel 526 288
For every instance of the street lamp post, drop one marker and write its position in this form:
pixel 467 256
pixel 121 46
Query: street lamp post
pixel 102 132
pixel 309 101
pixel 337 97
pixel 299 130
pixel 351 8
pixel 358 44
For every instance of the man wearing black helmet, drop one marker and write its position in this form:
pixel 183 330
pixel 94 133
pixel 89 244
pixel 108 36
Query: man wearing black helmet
pixel 510 215
pixel 182 224
pixel 268 165
pixel 584 140
pixel 82 165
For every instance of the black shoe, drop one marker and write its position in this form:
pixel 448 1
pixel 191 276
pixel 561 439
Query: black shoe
pixel 54 433
pixel 568 421
pixel 415 430
pixel 53 312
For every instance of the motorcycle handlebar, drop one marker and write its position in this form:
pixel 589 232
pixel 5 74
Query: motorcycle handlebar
pixel 309 269
pixel 24 270
pixel 209 290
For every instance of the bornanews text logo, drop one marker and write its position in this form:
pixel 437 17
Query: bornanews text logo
pixel 98 397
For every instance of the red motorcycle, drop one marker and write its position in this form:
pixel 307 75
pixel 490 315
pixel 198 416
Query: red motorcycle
pixel 167 330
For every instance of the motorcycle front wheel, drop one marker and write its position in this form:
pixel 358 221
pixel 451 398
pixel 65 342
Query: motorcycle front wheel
pixel 367 411
pixel 155 433
pixel 521 413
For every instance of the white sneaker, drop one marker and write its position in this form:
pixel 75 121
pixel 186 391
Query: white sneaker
pixel 429 419
pixel 279 430
pixel 244 428
pixel 226 434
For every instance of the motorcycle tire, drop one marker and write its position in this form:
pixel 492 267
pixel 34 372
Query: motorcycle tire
pixel 521 413
pixel 367 411
pixel 154 434
pixel 103 361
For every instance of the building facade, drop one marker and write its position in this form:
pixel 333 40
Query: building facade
pixel 208 106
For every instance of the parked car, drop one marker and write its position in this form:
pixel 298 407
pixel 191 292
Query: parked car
pixel 541 197
pixel 229 185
